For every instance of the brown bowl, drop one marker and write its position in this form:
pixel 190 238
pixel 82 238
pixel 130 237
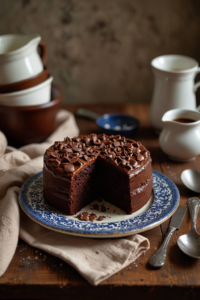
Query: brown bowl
pixel 30 124
pixel 25 84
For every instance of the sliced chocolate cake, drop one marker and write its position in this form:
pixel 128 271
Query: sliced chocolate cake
pixel 78 170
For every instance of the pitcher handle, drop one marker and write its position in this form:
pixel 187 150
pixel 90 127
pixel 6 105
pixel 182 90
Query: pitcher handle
pixel 43 52
pixel 196 86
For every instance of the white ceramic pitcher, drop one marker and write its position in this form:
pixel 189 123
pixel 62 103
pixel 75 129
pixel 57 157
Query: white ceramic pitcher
pixel 179 140
pixel 174 86
pixel 19 57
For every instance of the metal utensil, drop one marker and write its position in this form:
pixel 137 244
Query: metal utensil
pixel 159 258
pixel 191 179
pixel 112 124
pixel 190 243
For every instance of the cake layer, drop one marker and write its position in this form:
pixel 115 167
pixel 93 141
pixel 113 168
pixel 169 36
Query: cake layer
pixel 140 196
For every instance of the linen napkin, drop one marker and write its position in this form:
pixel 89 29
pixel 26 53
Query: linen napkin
pixel 94 259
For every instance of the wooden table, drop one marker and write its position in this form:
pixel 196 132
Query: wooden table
pixel 34 274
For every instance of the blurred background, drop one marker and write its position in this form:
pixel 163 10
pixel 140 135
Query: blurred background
pixel 100 51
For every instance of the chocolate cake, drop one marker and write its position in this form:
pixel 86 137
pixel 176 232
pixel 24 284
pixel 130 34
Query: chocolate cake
pixel 78 170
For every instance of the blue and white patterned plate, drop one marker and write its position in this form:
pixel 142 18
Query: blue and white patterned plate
pixel 161 206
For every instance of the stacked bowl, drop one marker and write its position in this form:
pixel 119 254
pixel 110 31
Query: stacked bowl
pixel 29 101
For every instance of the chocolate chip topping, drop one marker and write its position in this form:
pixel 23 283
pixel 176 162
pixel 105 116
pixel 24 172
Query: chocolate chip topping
pixel 69 168
pixel 71 154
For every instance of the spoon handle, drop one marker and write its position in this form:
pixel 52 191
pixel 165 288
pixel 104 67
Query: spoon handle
pixel 193 204
pixel 82 112
pixel 159 258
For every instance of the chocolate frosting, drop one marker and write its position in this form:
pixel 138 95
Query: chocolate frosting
pixel 72 155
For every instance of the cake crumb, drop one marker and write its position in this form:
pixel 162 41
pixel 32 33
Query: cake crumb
pixel 103 208
pixel 100 218
pixel 95 206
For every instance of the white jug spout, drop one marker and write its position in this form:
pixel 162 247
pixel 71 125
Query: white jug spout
pixel 33 39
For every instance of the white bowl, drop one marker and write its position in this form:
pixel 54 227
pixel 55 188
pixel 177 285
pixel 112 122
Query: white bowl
pixel 36 95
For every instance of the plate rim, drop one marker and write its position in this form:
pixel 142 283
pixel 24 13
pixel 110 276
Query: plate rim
pixel 102 235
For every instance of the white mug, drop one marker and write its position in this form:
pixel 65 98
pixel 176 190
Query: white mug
pixel 174 86
pixel 19 58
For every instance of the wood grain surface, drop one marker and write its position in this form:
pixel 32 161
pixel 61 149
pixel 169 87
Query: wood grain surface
pixel 34 274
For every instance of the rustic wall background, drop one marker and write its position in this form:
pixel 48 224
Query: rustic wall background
pixel 100 51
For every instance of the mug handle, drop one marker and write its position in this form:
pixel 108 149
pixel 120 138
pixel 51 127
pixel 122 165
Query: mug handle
pixel 196 86
pixel 43 51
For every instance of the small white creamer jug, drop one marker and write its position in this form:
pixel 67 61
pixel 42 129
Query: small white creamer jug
pixel 180 137
pixel 174 86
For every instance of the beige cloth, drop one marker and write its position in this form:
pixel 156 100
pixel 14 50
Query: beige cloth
pixel 94 259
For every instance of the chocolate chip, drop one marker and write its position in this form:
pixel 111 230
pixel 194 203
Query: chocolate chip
pixel 117 137
pixel 129 166
pixel 65 159
pixel 133 162
pixel 145 153
pixel 78 163
pixel 54 154
pixel 102 146
pixel 56 144
pixel 74 160
pixel 69 150
pixel 69 168
pixel 76 149
pixel 116 144
pixel 104 151
pixel 48 152
pixel 67 139
pixel 136 150
pixel 97 141
pixel 64 150
pixel 78 139
pixel 113 154
pixel 85 157
pixel 96 147
pixel 123 162
pixel 140 157
pixel 56 163
pixel 94 139
pixel 127 144
pixel 110 156
pixel 86 140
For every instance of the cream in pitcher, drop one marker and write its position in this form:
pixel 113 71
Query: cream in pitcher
pixel 174 86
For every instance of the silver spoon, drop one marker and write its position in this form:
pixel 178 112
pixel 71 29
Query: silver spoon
pixel 191 179
pixel 190 243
